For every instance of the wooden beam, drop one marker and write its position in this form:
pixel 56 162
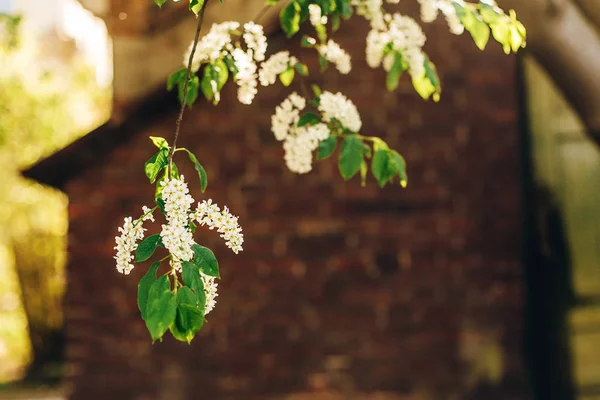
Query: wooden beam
pixel 567 45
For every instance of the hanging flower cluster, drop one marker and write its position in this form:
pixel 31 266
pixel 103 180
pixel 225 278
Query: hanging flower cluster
pixel 179 299
pixel 298 142
pixel 399 35
pixel 277 64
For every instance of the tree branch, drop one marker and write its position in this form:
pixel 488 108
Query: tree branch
pixel 186 87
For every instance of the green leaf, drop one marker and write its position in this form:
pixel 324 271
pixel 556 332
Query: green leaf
pixel 176 78
pixel 196 6
pixel 144 287
pixel 307 41
pixel 501 33
pixel 325 6
pixel 364 168
pixel 367 150
pixel 480 32
pixel 383 167
pixel 190 316
pixel 200 169
pixel 190 273
pixel 147 247
pixel 326 148
pixel 322 62
pixel 206 261
pixel 154 165
pixel 192 93
pixel 335 22
pixel 351 156
pixel 301 68
pixel 222 73
pixel 517 36
pixel 161 308
pixel 290 19
pixel 287 76
pixel 316 90
pixel 159 142
pixel 345 7
pixel 308 119
pixel 400 165
pixel 490 14
pixel 395 72
pixel 321 33
pixel 160 2
pixel 215 76
pixel 231 64
pixel 161 204
pixel 428 84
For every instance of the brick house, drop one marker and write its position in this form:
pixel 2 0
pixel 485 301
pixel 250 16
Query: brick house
pixel 342 291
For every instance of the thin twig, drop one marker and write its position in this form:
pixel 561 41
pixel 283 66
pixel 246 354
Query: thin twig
pixel 185 88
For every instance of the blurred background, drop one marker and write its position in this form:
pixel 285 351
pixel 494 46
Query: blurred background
pixel 481 280
pixel 55 86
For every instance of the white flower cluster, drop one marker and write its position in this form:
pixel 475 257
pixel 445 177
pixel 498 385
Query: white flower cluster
pixel 217 43
pixel 254 36
pixel 315 16
pixel 213 45
pixel 176 235
pixel 339 107
pixel 430 9
pixel 372 11
pixel 275 65
pixel 298 143
pixel 210 290
pixel 333 53
pixel 211 215
pixel 245 76
pixel 405 36
pixel 131 232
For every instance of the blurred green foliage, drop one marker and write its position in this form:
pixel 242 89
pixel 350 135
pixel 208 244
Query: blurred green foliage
pixel 46 102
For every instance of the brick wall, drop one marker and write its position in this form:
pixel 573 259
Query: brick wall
pixel 342 292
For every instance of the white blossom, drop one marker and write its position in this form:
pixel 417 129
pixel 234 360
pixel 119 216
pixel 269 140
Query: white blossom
pixel 431 8
pixel 217 43
pixel 176 235
pixel 286 116
pixel 147 214
pixel 372 11
pixel 339 107
pixel 299 147
pixel 212 45
pixel 246 76
pixel 333 53
pixel 223 221
pixel 316 18
pixel 131 233
pixel 298 143
pixel 210 290
pixel 275 65
pixel 256 40
pixel 452 19
pixel 404 35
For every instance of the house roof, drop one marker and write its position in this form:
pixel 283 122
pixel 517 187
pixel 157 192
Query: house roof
pixel 90 150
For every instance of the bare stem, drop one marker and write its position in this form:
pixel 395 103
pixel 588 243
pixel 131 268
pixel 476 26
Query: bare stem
pixel 186 87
